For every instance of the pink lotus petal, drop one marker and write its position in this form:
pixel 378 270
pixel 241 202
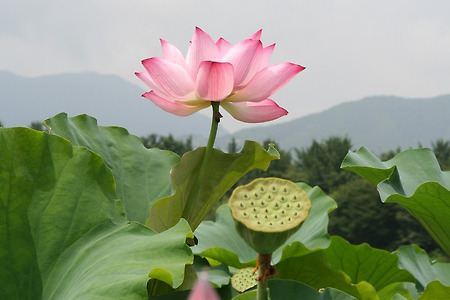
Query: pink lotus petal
pixel 223 46
pixel 175 107
pixel 254 112
pixel 246 59
pixel 173 79
pixel 256 35
pixel 203 289
pixel 172 53
pixel 215 80
pixel 267 54
pixel 201 48
pixel 145 77
pixel 266 82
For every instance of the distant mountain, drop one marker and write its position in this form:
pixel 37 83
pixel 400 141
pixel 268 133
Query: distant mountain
pixel 108 98
pixel 380 123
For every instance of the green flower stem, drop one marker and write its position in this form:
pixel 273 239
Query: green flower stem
pixel 264 269
pixel 262 291
pixel 201 173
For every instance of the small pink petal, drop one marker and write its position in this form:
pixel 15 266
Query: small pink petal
pixel 173 79
pixel 175 107
pixel 215 80
pixel 203 289
pixel 201 48
pixel 172 53
pixel 223 46
pixel 254 112
pixel 246 59
pixel 266 82
pixel 256 35
pixel 267 54
pixel 145 77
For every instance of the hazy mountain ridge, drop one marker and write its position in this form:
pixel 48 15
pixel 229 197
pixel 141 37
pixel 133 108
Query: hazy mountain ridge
pixel 380 123
pixel 109 98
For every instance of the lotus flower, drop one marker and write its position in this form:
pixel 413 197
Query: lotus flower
pixel 238 76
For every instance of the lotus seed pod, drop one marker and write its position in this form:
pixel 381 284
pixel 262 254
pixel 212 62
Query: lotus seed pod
pixel 268 211
pixel 244 279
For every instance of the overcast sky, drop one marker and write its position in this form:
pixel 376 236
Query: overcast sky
pixel 350 48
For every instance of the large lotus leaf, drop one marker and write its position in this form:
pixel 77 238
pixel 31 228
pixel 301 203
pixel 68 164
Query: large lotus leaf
pixel 117 261
pixel 63 234
pixel 417 262
pixel 222 172
pixel 288 289
pixel 435 290
pixel 364 263
pixel 314 270
pixel 360 270
pixel 399 291
pixel 220 241
pixel 414 180
pixel 141 175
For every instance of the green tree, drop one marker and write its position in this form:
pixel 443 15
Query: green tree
pixel 390 154
pixel 362 218
pixel 320 163
pixel 36 125
pixel 441 149
pixel 168 143
pixel 232 146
